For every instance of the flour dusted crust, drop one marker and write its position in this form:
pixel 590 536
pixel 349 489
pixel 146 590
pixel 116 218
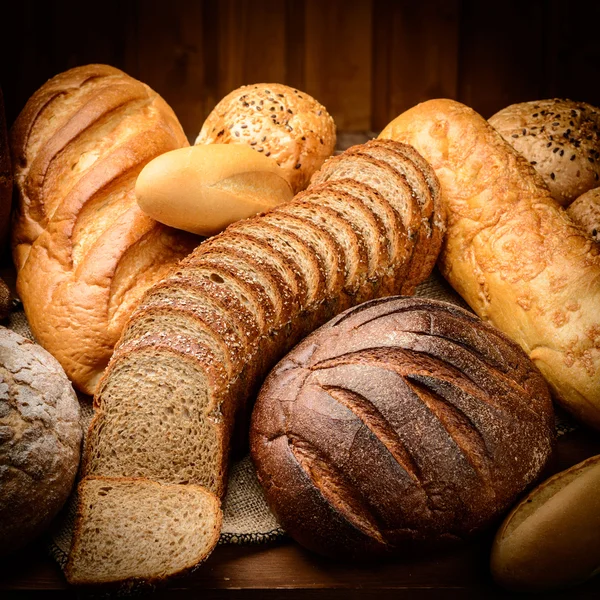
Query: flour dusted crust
pixel 40 439
pixel 281 122
pixel 511 251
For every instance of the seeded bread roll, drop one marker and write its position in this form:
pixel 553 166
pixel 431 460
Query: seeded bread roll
pixel 40 439
pixel 585 211
pixel 560 138
pixel 288 125
pixel 403 423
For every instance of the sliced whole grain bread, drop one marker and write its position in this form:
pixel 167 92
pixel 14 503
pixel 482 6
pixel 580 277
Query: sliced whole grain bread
pixel 294 249
pixel 181 527
pixel 394 188
pixel 198 347
pixel 329 220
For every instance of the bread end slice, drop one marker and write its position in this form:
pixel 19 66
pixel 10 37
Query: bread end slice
pixel 135 532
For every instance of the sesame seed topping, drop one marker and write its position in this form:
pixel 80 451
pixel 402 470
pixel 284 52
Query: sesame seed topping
pixel 515 135
pixel 534 162
pixel 572 157
pixel 552 176
pixel 298 165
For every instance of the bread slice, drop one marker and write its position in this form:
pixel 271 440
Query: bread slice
pixel 224 296
pixel 322 245
pixel 438 222
pixel 365 223
pixel 294 249
pixel 395 234
pixel 424 260
pixel 137 531
pixel 393 187
pixel 267 261
pixel 178 436
pixel 309 206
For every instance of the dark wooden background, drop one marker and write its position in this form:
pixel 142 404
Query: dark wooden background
pixel 366 60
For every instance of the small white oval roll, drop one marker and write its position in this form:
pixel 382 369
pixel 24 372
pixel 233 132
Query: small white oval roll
pixel 551 539
pixel 203 189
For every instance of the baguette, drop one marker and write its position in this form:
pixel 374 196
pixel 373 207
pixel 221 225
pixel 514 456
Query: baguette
pixel 84 251
pixel 197 349
pixel 551 539
pixel 511 251
pixel 204 188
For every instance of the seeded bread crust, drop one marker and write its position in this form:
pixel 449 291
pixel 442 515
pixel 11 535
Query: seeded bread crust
pixel 283 123
pixel 560 138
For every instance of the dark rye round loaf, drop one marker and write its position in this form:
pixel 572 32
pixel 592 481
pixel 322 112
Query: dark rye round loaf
pixel 402 424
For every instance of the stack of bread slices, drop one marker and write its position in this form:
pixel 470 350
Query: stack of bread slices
pixel 201 342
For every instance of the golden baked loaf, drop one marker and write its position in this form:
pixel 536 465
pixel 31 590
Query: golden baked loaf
pixel 511 251
pixel 202 189
pixel 84 251
pixel 551 539
pixel 283 123
pixel 560 138
pixel 585 211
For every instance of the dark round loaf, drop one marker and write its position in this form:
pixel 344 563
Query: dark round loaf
pixel 401 424
pixel 40 439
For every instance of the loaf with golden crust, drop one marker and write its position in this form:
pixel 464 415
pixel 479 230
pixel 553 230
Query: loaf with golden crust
pixel 84 251
pixel 511 251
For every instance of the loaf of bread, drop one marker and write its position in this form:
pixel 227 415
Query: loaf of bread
pixel 511 251
pixel 199 345
pixel 551 539
pixel 585 211
pixel 204 188
pixel 401 424
pixel 40 440
pixel 83 250
pixel 560 139
pixel 283 123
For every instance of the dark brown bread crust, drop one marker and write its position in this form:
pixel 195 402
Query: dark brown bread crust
pixel 402 423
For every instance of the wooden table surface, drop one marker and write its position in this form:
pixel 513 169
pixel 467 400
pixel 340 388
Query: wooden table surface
pixel 286 571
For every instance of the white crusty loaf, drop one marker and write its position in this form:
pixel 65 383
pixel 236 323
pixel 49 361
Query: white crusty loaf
pixel 511 251
pixel 198 347
pixel 560 138
pixel 283 123
pixel 551 539
pixel 202 189
pixel 40 440
pixel 83 250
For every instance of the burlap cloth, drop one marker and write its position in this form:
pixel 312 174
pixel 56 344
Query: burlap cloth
pixel 247 518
